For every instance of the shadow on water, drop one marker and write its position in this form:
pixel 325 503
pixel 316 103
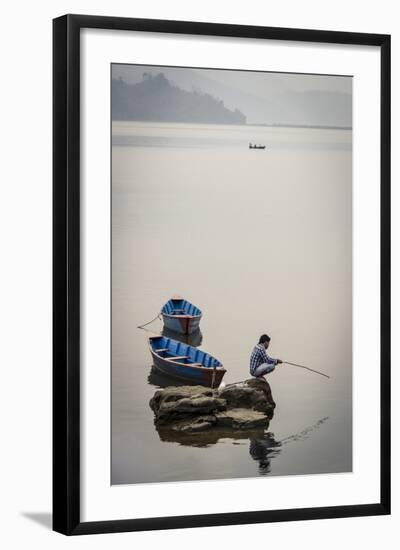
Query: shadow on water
pixel 263 447
pixel 160 380
pixel 262 450
pixel 195 339
pixel 207 438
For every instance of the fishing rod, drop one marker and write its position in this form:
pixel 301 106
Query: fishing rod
pixel 286 363
pixel 307 368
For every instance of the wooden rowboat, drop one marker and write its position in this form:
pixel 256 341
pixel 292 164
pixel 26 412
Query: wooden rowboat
pixel 181 316
pixel 185 362
pixel 256 146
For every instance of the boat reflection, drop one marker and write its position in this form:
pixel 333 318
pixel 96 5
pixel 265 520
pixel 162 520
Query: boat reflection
pixel 195 339
pixel 160 380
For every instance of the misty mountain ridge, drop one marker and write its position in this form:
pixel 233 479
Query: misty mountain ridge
pixel 156 99
pixel 264 98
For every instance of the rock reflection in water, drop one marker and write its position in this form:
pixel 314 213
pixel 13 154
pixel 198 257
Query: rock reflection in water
pixel 195 339
pixel 206 438
pixel 263 447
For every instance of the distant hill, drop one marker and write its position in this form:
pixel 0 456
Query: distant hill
pixel 156 99
pixel 265 98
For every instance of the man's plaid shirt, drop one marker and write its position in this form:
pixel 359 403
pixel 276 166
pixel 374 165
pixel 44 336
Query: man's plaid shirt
pixel 260 356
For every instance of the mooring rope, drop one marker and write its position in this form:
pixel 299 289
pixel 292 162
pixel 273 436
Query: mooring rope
pixel 149 323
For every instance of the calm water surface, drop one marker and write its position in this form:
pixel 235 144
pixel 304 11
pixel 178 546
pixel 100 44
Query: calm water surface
pixel 261 242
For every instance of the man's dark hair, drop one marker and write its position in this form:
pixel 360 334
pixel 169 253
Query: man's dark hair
pixel 264 338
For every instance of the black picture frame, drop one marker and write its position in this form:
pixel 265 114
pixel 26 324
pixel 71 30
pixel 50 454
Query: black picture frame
pixel 66 273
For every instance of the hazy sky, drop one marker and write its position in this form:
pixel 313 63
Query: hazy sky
pixel 263 97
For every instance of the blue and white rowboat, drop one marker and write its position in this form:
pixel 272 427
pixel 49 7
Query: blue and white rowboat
pixel 181 316
pixel 185 362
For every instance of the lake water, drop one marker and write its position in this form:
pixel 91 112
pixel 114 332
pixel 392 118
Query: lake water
pixel 261 242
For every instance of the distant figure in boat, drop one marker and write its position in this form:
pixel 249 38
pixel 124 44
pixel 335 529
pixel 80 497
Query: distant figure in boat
pixel 256 146
pixel 260 362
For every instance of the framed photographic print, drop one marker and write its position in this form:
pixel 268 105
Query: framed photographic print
pixel 221 274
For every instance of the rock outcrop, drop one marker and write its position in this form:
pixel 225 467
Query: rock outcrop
pixel 246 405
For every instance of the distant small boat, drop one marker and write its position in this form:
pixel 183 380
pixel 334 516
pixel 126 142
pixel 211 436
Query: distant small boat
pixel 181 316
pixel 256 146
pixel 185 362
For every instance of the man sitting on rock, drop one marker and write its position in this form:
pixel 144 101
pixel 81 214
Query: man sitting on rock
pixel 260 362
